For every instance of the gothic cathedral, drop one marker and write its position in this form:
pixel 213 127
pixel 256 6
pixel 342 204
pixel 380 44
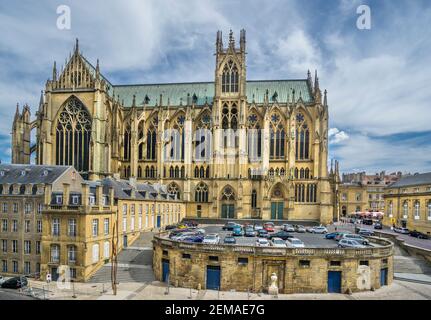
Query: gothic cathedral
pixel 274 167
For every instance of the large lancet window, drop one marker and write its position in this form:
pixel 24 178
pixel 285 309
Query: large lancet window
pixel 152 139
pixel 73 136
pixel 254 137
pixel 230 77
pixel 201 193
pixel 302 138
pixel 178 139
pixel 277 142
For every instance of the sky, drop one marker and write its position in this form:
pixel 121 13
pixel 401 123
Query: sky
pixel 378 80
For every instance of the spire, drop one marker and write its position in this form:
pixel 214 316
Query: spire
pixel 325 99
pixel 316 82
pixel 97 70
pixel 17 110
pixel 134 101
pixel 242 40
pixel 77 46
pixel 41 102
pixel 54 72
pixel 219 41
pixel 231 40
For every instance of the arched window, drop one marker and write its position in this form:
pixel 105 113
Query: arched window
pixel 201 193
pixel 127 143
pixel 405 209
pixel 141 151
pixel 228 194
pixel 171 172
pixel 254 199
pixel 196 172
pixel 417 209
pixel 307 173
pixel 254 137
pixel 207 172
pixel 301 173
pixel 174 190
pixel 177 172
pixel 178 139
pixel 230 77
pixel 183 172
pixel 202 172
pixel 277 142
pixel 152 139
pixel 296 173
pixel 203 147
pixel 139 172
pixel 152 172
pixel 73 134
pixel 302 138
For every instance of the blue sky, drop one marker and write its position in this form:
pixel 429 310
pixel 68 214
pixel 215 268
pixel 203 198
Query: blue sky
pixel 378 80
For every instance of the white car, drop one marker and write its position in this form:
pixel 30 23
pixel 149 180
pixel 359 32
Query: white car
pixel 258 227
pixel 355 237
pixel 288 228
pixel 320 230
pixel 183 235
pixel 345 243
pixel 278 242
pixel 2 279
pixel 211 238
pixel 295 242
pixel 262 242
pixel 401 230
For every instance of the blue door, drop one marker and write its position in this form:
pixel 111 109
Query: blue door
pixel 334 281
pixel 213 277
pixel 159 220
pixel 384 277
pixel 165 270
pixel 277 210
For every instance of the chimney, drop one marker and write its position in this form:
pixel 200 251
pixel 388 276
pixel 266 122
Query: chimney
pixel 85 194
pixel 66 193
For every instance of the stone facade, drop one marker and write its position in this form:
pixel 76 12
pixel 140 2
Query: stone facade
pixel 120 129
pixel 250 268
pixel 408 203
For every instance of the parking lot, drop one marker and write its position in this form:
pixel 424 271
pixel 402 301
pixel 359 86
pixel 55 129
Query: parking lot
pixel 310 240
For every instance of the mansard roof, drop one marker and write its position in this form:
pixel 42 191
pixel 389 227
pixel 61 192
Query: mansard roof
pixel 413 180
pixel 29 173
pixel 177 93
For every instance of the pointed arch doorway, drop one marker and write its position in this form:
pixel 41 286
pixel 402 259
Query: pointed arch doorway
pixel 227 206
pixel 277 203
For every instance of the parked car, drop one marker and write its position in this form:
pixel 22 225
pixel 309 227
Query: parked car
pixel 418 235
pixel 281 234
pixel 355 237
pixel 2 279
pixel 211 238
pixel 401 230
pixel 182 226
pixel 299 229
pixel 177 232
pixel 237 231
pixel 258 227
pixel 171 227
pixel 366 232
pixel 278 242
pixel 191 224
pixel 269 226
pixel 229 226
pixel 295 242
pixel 288 228
pixel 198 238
pixel 262 242
pixel 349 243
pixel 309 229
pixel 378 225
pixel 181 236
pixel 229 240
pixel 15 283
pixel 320 230
pixel 263 233
pixel 250 232
pixel 332 235
pixel 340 235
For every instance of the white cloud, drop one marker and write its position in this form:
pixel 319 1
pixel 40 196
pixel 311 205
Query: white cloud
pixel 337 136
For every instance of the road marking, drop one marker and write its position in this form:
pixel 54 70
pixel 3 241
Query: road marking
pixel 139 248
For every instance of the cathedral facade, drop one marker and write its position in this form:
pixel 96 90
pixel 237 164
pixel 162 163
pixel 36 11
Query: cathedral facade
pixel 265 142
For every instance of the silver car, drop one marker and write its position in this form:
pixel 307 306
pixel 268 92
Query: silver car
pixel 355 237
pixel 288 228
pixel 320 230
pixel 345 243
pixel 211 238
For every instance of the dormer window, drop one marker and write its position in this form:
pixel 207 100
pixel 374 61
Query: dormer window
pixel 45 172
pixel 23 172
pixel 92 200
pixel 75 199
pixel 59 199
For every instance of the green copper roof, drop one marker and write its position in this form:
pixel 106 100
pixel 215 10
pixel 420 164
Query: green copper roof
pixel 204 91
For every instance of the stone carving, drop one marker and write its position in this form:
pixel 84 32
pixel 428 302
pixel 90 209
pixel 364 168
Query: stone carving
pixel 273 288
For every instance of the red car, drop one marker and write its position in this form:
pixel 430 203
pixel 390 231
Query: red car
pixel 269 227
